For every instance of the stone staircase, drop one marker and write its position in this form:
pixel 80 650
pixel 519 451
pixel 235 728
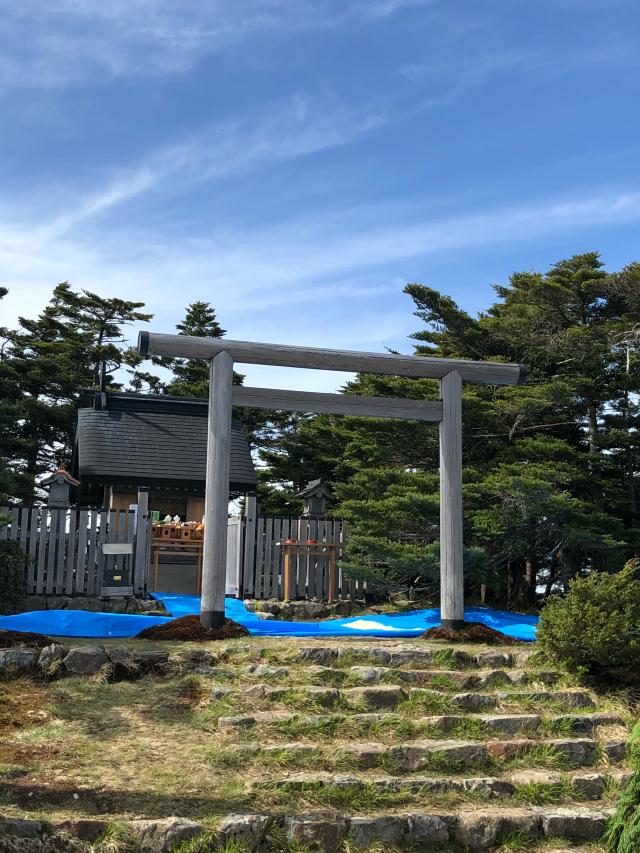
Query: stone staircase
pixel 439 747
pixel 383 745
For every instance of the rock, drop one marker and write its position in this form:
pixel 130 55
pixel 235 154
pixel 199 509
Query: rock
pixel 220 693
pixel 363 755
pixel 512 725
pixel 322 831
pixel 518 677
pixel 263 670
pixel 244 829
pixel 263 691
pixel 366 830
pixel 237 722
pixel 575 824
pixel 324 695
pixel 368 674
pixel 85 660
pixel 428 829
pixel 489 678
pixel 493 660
pixel 412 657
pixel 18 659
pixel 418 755
pixel 481 830
pixel 489 788
pixel 381 656
pixel 321 655
pixel 591 786
pixel 473 701
pixel 509 748
pixel 376 697
pixel 50 654
pixel 536 777
pixel 576 751
pixel 161 836
pixel 615 750
pixel 21 828
pixel 437 677
pixel 265 615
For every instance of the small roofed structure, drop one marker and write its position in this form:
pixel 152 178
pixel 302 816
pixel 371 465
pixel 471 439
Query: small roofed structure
pixel 58 484
pixel 127 442
pixel 314 495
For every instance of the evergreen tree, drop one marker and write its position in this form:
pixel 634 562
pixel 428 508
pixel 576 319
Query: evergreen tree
pixel 550 468
pixel 75 344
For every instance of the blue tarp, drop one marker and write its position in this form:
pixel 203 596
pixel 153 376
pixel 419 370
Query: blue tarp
pixel 80 623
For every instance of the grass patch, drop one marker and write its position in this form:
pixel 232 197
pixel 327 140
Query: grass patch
pixel 545 793
pixel 420 703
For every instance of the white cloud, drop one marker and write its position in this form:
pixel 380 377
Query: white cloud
pixel 60 42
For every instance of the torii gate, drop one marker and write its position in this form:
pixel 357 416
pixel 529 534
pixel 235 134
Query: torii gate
pixel 223 394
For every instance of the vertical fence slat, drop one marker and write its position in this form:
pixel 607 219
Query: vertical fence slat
pixel 31 552
pixel 249 552
pixel 268 556
pixel 15 515
pixel 81 552
pixel 61 552
pixel 93 547
pixel 42 548
pixel 54 520
pixel 71 551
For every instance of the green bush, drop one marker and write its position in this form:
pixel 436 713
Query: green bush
pixel 623 832
pixel 13 583
pixel 596 625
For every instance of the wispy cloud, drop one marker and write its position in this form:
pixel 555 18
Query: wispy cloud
pixel 323 279
pixel 290 130
pixel 64 42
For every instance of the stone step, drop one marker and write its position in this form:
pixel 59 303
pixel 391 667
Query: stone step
pixel 579 785
pixel 389 696
pixel 446 679
pixel 411 657
pixel 479 726
pixel 480 829
pixel 450 756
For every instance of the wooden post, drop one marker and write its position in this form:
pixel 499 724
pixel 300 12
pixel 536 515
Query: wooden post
pixel 143 530
pixel 249 555
pixel 451 553
pixel 216 507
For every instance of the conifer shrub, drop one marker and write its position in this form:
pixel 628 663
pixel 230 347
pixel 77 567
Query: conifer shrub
pixel 595 627
pixel 13 583
pixel 623 831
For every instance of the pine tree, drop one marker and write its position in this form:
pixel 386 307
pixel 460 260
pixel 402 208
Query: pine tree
pixel 75 345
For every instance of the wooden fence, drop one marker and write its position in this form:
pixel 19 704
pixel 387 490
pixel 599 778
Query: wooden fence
pixel 64 548
pixel 64 553
pixel 263 563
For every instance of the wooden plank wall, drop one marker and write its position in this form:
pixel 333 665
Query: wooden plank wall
pixel 263 564
pixel 63 547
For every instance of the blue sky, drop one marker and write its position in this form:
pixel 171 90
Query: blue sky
pixel 296 163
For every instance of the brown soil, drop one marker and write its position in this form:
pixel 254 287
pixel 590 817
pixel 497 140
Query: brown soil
pixel 22 704
pixel 190 628
pixel 473 632
pixel 8 639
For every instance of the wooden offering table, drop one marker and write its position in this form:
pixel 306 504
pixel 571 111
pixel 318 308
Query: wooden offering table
pixel 325 550
pixel 176 541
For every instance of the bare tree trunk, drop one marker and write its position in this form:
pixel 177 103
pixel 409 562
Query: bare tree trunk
pixel 530 579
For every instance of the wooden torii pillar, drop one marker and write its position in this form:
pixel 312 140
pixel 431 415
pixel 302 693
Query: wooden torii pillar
pixel 447 412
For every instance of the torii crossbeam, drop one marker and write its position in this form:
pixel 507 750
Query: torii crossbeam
pixel 447 412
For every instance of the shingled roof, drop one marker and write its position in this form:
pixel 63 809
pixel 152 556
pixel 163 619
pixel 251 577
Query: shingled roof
pixel 147 440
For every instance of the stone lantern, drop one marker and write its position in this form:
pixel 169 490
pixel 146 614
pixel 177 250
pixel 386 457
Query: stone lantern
pixel 314 495
pixel 58 485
